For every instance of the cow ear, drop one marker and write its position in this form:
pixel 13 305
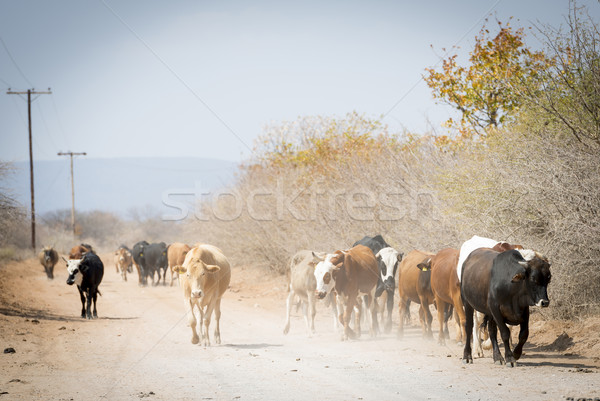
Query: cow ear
pixel 399 257
pixel 518 277
pixel 425 265
pixel 212 268
pixel 179 269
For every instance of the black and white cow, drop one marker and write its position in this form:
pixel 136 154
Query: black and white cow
pixel 503 286
pixel 387 259
pixel 87 273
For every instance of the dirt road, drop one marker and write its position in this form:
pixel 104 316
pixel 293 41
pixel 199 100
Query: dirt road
pixel 140 348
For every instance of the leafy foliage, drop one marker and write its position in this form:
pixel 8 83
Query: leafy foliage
pixel 483 91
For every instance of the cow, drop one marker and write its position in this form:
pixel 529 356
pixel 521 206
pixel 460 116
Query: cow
pixel 48 257
pixel 78 250
pixel 123 261
pixel 466 248
pixel 87 273
pixel 139 261
pixel 446 290
pixel 303 285
pixel 387 260
pixel 351 273
pixel 155 260
pixel 175 256
pixel 204 277
pixel 414 285
pixel 503 285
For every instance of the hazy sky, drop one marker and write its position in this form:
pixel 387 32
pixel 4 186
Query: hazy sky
pixel 202 78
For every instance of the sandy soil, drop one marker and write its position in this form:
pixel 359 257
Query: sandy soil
pixel 140 348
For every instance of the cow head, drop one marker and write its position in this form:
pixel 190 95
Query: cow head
pixel 388 259
pixel 536 277
pixel 197 274
pixel 75 270
pixel 324 273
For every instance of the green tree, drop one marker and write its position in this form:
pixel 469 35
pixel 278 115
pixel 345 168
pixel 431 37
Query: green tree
pixel 483 91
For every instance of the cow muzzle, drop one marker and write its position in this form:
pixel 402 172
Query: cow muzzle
pixel 389 285
pixel 321 294
pixel 197 294
pixel 544 303
pixel 70 281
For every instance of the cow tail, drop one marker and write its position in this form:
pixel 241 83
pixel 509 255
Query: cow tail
pixel 484 323
pixel 98 291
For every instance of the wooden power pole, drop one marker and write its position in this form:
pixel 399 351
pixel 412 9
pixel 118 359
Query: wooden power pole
pixel 29 93
pixel 71 154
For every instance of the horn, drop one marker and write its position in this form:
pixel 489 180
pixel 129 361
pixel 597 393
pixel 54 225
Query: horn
pixel 523 263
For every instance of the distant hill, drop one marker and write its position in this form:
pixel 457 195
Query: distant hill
pixel 118 185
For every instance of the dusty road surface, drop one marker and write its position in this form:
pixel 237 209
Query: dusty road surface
pixel 140 348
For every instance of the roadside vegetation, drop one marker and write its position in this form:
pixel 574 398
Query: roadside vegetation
pixel 520 164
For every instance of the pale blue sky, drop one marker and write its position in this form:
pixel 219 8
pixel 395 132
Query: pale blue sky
pixel 228 68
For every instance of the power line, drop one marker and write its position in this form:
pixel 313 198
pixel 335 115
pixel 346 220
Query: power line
pixel 29 93
pixel 14 62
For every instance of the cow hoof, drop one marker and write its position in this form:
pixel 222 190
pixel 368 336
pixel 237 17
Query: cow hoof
pixel 512 364
pixel 195 340
pixel 499 363
pixel 286 330
pixel 467 361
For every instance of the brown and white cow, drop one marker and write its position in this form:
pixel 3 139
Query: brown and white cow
pixel 78 250
pixel 303 285
pixel 351 273
pixel 176 255
pixel 204 277
pixel 414 285
pixel 123 261
pixel 48 258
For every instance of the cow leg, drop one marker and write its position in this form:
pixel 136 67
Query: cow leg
pixel 373 312
pixel 206 320
pixel 82 297
pixel 402 311
pixel 523 335
pixel 441 312
pixel 459 315
pixel 467 356
pixel 304 304
pixel 331 298
pixel 346 306
pixel 288 304
pixel 94 297
pixel 312 308
pixel 187 303
pixel 508 354
pixel 447 315
pixel 358 314
pixel 171 270
pixel 217 321
pixel 390 307
pixel 493 333
pixel 88 308
pixel 477 334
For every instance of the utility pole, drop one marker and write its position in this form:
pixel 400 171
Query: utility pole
pixel 72 185
pixel 29 93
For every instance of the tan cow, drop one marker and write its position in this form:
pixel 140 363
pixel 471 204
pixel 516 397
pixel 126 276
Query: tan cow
pixel 176 255
pixel 204 277
pixel 78 250
pixel 123 261
pixel 303 285
pixel 414 285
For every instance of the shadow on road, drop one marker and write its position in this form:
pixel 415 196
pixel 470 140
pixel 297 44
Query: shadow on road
pixel 252 346
pixel 45 315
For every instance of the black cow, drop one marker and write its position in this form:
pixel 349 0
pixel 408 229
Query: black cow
pixel 387 259
pixel 87 273
pixel 139 260
pixel 503 286
pixel 155 258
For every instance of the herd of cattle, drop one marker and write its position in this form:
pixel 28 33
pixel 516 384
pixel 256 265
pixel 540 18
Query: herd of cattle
pixel 486 284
